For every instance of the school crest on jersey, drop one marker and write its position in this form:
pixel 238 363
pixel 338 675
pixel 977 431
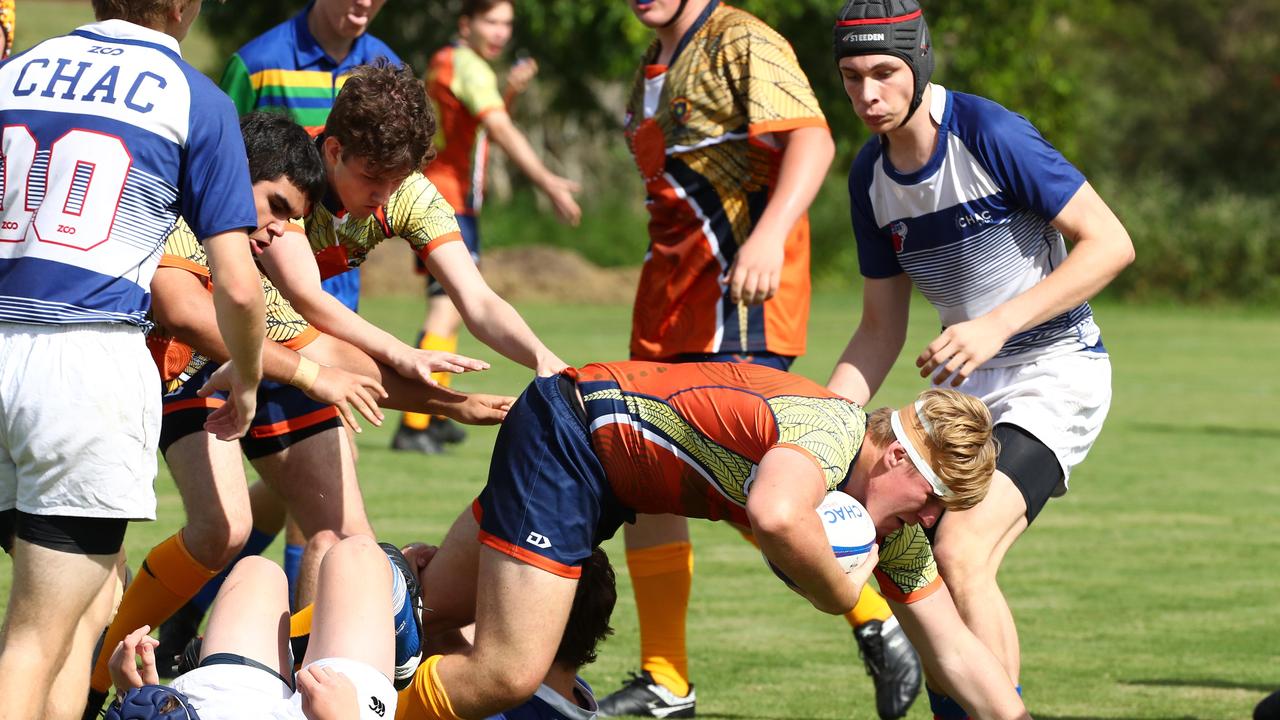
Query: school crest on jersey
pixel 899 232
pixel 680 110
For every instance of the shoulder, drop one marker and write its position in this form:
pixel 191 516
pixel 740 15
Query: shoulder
pixel 981 121
pixel 740 28
pixel 864 164
pixel 208 101
pixel 272 48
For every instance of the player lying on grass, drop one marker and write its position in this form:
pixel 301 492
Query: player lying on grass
pixel 246 666
pixel 584 451
pixel 562 695
pixel 295 441
pixel 377 136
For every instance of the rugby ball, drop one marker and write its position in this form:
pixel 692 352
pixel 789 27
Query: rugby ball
pixel 850 532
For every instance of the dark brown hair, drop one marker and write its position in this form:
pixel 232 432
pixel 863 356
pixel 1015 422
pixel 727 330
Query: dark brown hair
pixel 382 116
pixel 472 8
pixel 141 12
pixel 589 619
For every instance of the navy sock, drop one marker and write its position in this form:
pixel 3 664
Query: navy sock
pixel 293 564
pixel 943 707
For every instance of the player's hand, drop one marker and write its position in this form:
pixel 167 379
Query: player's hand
pixel 520 75
pixel 756 272
pixel 560 192
pixel 137 647
pixel 417 364
pixel 327 694
pixel 231 421
pixel 419 555
pixel 349 391
pixel 961 349
pixel 480 409
pixel 548 365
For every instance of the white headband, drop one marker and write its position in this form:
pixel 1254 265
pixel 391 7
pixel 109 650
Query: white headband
pixel 917 458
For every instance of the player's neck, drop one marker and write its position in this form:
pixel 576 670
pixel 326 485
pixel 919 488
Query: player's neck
pixel 669 37
pixel 911 145
pixel 333 44
pixel 563 681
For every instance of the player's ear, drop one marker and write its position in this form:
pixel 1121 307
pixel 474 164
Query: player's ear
pixel 331 150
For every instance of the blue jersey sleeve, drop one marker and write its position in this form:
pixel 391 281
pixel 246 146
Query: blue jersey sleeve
pixel 1018 157
pixel 215 193
pixel 877 256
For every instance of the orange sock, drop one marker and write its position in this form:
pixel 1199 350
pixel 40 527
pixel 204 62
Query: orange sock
pixel 425 699
pixel 168 579
pixel 418 421
pixel 662 577
pixel 300 622
pixel 871 604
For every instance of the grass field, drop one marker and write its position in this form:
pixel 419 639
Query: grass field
pixel 1150 591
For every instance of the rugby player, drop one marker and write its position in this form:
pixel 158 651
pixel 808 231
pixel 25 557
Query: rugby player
pixel 585 451
pixel 108 137
pixel 732 147
pixel 964 200
pixel 471 110
pixel 297 68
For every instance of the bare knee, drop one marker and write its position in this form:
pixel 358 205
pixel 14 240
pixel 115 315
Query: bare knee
pixel 506 687
pixel 256 569
pixel 216 541
pixel 322 542
pixel 354 550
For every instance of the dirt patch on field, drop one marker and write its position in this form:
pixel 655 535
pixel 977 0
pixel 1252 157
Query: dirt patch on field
pixel 518 274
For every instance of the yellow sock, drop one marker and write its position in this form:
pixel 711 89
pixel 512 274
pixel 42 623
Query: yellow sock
pixel 425 699
pixel 168 579
pixel 871 604
pixel 300 622
pixel 418 421
pixel 662 577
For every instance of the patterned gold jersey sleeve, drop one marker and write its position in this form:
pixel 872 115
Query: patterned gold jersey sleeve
pixel 182 249
pixel 907 564
pixel 7 13
pixel 763 68
pixel 418 213
pixel 823 428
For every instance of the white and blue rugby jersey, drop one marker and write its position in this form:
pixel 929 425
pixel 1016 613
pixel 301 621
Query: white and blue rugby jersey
pixel 972 227
pixel 108 136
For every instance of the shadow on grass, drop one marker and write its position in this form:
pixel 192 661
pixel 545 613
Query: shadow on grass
pixel 1116 717
pixel 1221 430
pixel 1263 688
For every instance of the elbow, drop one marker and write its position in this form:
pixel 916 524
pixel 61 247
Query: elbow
pixel 241 295
pixel 773 520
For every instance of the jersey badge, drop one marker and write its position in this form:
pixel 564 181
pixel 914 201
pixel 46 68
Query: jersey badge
pixel 899 231
pixel 680 109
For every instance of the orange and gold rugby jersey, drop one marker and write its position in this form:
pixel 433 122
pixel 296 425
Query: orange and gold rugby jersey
pixel 700 131
pixel 7 17
pixel 416 212
pixel 177 361
pixel 686 438
pixel 463 88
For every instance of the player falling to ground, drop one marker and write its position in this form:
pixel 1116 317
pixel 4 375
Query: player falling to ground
pixel 245 668
pixel 471 109
pixel 298 66
pixel 295 441
pixel 583 452
pixel 964 200
pixel 732 147
pixel 108 137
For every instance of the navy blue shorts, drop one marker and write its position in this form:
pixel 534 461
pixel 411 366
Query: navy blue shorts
pixel 470 228
pixel 285 415
pixel 547 501
pixel 345 287
pixel 766 359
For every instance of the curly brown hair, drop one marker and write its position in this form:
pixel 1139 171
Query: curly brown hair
pixel 140 12
pixel 382 116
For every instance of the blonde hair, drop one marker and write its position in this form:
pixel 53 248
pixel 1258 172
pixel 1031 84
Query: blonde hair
pixel 959 446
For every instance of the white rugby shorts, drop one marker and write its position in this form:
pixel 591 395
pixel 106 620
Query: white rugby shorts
pixel 1061 400
pixel 79 421
pixel 243 692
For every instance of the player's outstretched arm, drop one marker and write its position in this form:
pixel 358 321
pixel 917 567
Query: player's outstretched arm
pixel 560 191
pixel 1102 248
pixel 781 506
pixel 240 307
pixel 487 315
pixel 757 269
pixel 292 267
pixel 956 659
pixel 875 345
pixel 183 308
